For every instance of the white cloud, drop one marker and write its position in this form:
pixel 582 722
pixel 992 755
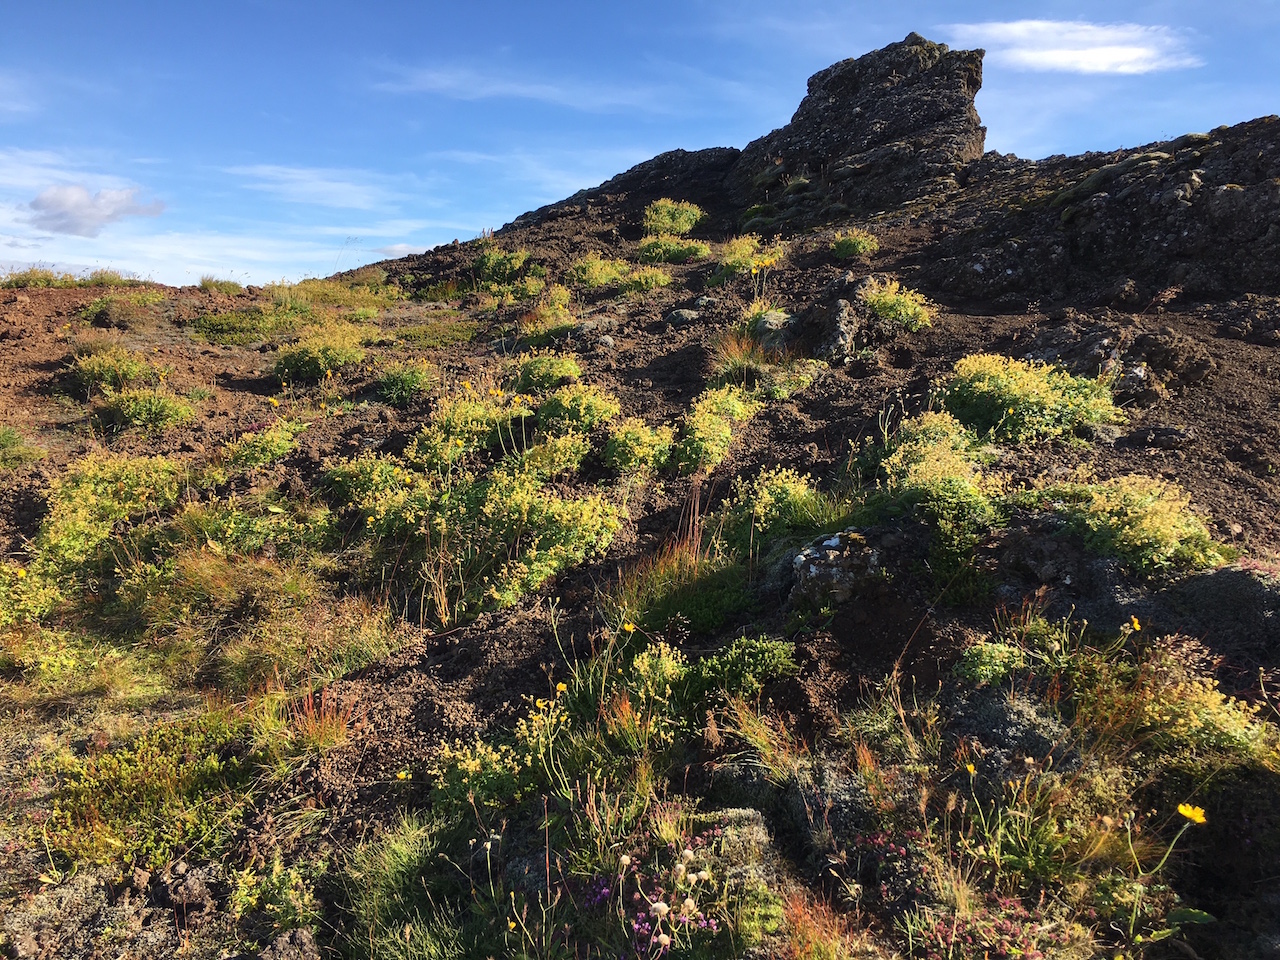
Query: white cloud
pixel 397 250
pixel 71 208
pixel 319 186
pixel 1076 46
pixel 465 83
pixel 15 95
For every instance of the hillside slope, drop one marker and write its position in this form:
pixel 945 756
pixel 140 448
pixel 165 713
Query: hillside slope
pixel 852 545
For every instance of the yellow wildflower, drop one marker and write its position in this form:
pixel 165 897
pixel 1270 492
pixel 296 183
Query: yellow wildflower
pixel 629 627
pixel 273 401
pixel 20 573
pixel 1133 622
pixel 1194 814
pixel 971 768
pixel 561 687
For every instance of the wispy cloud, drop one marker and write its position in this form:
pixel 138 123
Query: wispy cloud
pixel 467 83
pixel 15 96
pixel 1076 46
pixel 318 186
pixel 72 209
pixel 397 250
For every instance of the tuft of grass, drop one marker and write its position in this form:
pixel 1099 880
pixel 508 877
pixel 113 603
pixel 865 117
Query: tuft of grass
pixel 854 243
pixel 1144 521
pixel 707 430
pixel 895 304
pixel 577 408
pixel 1017 401
pixel 103 366
pixel 541 372
pixel 633 446
pixel 123 310
pixel 668 248
pixel 150 410
pixel 593 272
pixel 672 217
pixel 643 280
pixel 257 449
pixel 211 284
pixel 15 451
pixel 403 383
pixel 320 354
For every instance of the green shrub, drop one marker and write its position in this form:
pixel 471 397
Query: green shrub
pixel 708 428
pixel 556 456
pixel 541 372
pixel 26 595
pixel 551 317
pixel 95 494
pixel 895 304
pixel 149 410
pixel 404 383
pixel 178 790
pixel 320 354
pixel 468 421
pixel 778 501
pixel 592 271
pixel 257 449
pixel 645 279
pixel 989 663
pixel 740 670
pixel 211 284
pixel 579 407
pixel 746 254
pixel 854 243
pixel 1143 521
pixel 1016 401
pixel 667 248
pixel 674 217
pixel 15 450
pixel 100 367
pixel 494 266
pixel 634 446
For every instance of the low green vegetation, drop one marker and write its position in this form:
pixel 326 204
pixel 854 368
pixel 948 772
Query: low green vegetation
pixel 255 324
pixel 212 284
pixel 594 272
pixel 635 447
pixel 403 383
pixel 15 450
pixel 41 277
pixel 122 310
pixel 896 305
pixel 101 366
pixel 673 218
pixel 707 430
pixel 851 243
pixel 1015 401
pixel 576 408
pixel 668 248
pixel 749 255
pixel 151 410
pixel 1143 521
pixel 540 372
pixel 778 502
pixel 440 330
pixel 643 280
pixel 550 317
pixel 261 447
pixel 321 354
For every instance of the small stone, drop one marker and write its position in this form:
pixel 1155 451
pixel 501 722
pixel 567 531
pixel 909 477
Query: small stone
pixel 679 318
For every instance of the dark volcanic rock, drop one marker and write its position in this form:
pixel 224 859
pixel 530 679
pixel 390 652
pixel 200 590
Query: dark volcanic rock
pixel 891 126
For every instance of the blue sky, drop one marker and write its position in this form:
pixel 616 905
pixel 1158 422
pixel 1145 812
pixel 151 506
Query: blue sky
pixel 268 139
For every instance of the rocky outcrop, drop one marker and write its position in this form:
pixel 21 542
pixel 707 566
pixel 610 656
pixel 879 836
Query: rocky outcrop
pixel 894 125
